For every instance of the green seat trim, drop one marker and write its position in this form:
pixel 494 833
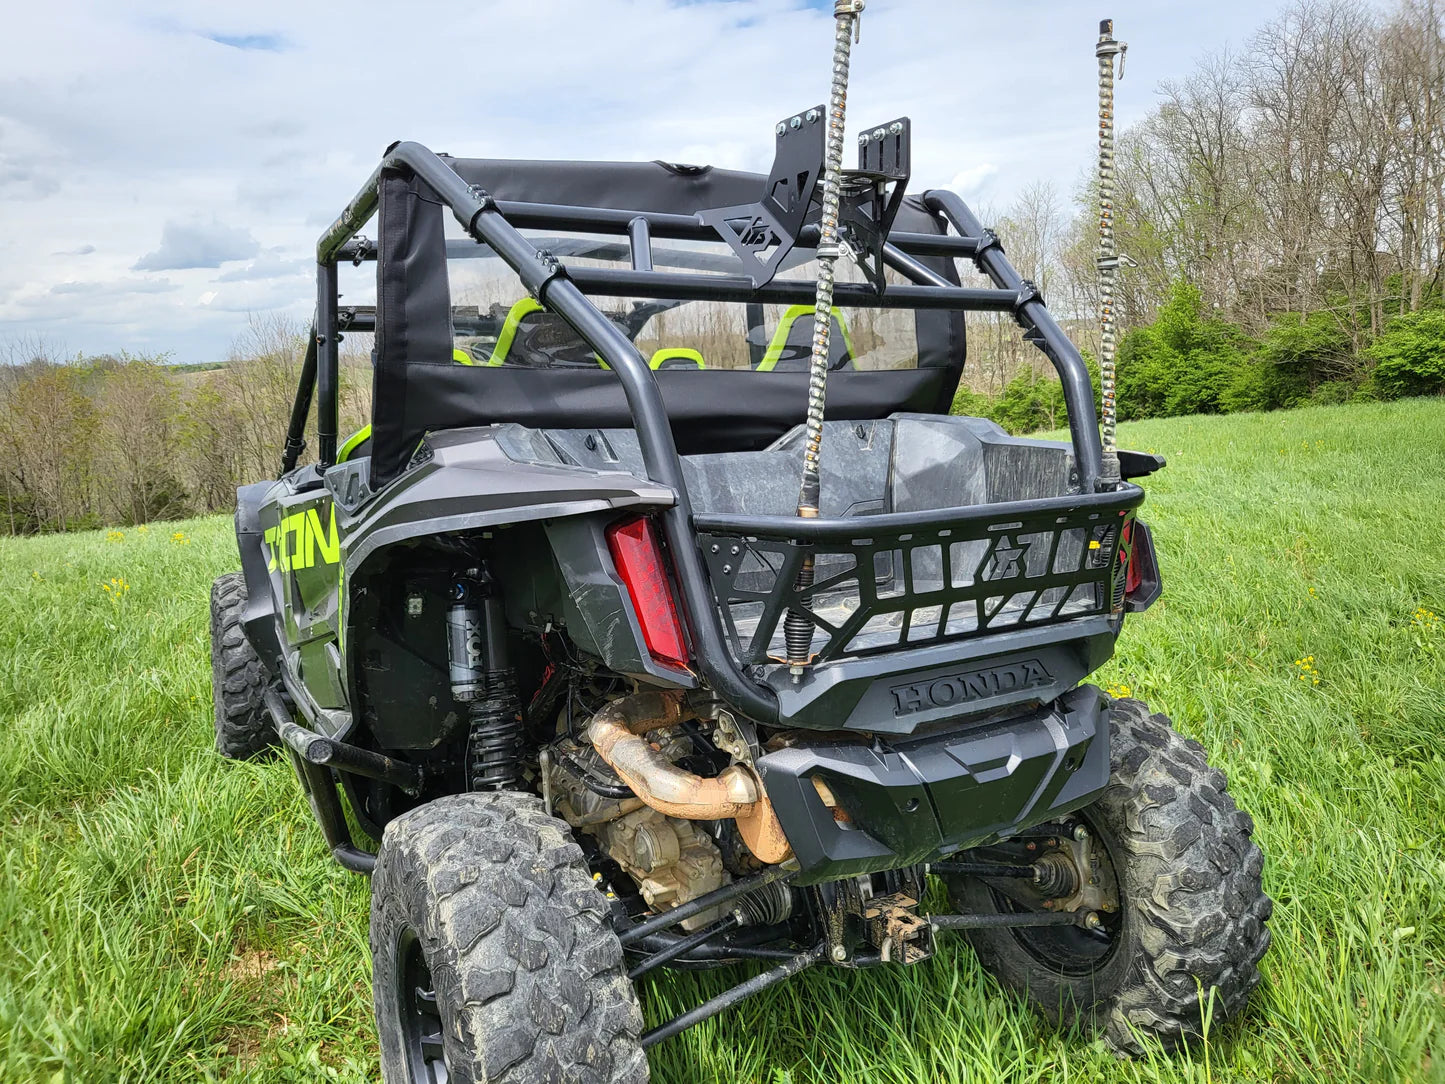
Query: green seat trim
pixel 461 357
pixel 672 353
pixel 785 328
pixel 353 442
pixel 515 315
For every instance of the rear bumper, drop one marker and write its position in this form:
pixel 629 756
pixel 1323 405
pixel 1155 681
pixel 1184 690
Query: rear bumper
pixel 918 799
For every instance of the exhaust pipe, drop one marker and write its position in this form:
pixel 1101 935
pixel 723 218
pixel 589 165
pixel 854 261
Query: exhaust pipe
pixel 736 793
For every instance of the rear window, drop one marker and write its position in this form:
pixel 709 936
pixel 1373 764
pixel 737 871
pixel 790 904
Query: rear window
pixel 500 325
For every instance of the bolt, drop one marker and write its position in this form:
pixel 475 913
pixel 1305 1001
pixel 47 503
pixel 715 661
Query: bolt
pixel 1081 833
pixel 727 569
pixel 863 139
pixel 879 133
pixel 795 123
pixel 1092 920
pixel 1033 846
pixel 714 547
pixel 1048 905
pixel 896 127
pixel 414 605
pixel 839 954
pixel 813 116
pixel 1052 842
pixel 735 551
pixel 782 127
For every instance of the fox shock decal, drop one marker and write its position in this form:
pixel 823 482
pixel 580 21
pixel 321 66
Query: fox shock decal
pixel 797 627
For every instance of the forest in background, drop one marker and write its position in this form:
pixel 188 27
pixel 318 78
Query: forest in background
pixel 1282 210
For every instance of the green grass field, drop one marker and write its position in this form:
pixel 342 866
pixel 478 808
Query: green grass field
pixel 166 915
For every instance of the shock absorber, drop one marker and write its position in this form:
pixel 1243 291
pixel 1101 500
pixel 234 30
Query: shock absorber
pixel 483 678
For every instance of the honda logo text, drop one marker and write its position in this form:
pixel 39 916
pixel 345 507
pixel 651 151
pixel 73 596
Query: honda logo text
pixel 956 689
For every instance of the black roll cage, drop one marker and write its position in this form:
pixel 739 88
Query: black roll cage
pixel 564 291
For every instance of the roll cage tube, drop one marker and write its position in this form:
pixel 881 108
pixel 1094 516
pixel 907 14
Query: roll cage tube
pixel 490 223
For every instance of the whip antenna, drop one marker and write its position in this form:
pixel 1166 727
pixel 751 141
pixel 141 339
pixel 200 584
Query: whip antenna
pixel 797 628
pixel 1108 258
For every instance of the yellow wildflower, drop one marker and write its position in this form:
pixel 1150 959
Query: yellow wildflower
pixel 1119 691
pixel 180 539
pixel 115 536
pixel 1307 671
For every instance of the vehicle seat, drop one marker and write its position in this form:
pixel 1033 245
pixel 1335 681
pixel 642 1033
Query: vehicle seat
pixel 677 357
pixel 791 348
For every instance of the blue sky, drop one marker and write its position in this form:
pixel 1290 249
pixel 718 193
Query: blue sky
pixel 165 168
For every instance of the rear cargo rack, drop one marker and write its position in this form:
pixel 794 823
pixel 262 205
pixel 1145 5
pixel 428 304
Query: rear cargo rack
pixel 915 578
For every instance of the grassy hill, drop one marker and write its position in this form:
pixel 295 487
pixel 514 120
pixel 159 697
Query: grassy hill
pixel 166 915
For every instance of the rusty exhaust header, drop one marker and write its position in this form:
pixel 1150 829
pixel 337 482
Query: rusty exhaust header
pixel 736 793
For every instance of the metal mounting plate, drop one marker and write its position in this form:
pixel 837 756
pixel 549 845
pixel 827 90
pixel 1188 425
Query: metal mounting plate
pixel 763 233
pixel 874 191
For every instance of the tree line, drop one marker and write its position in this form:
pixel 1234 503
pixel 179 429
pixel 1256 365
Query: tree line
pixel 123 439
pixel 1283 212
pixel 1282 209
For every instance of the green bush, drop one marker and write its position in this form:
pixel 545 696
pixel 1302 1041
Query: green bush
pixel 970 403
pixel 1410 355
pixel 1030 403
pixel 1184 363
pixel 1333 393
pixel 1301 352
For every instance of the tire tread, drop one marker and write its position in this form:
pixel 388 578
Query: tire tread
pixel 238 676
pixel 519 938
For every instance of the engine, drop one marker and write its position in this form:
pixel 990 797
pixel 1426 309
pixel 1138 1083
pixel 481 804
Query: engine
pixel 672 859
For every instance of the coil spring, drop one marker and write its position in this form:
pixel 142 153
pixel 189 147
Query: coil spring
pixel 494 737
pixel 797 629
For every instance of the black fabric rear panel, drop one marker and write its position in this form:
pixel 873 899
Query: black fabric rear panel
pixel 710 410
pixel 413 303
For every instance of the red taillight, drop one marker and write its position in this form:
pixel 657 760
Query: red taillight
pixel 1131 566
pixel 638 557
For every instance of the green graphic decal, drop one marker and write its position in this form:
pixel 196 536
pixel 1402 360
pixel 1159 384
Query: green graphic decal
pixel 310 538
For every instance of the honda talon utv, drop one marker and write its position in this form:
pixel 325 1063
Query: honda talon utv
pixel 552 634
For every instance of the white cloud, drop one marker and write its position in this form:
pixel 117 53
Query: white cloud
pixel 240 138
pixel 186 245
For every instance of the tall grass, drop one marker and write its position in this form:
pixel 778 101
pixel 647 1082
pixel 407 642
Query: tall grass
pixel 166 915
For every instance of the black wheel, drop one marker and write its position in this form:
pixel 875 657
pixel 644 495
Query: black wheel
pixel 238 677
pixel 1165 861
pixel 492 956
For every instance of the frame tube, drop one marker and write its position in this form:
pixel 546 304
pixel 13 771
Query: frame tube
pixel 728 998
pixel 683 945
pixel 1006 920
pixel 610 282
pixel 324 335
pixel 718 896
pixel 300 407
